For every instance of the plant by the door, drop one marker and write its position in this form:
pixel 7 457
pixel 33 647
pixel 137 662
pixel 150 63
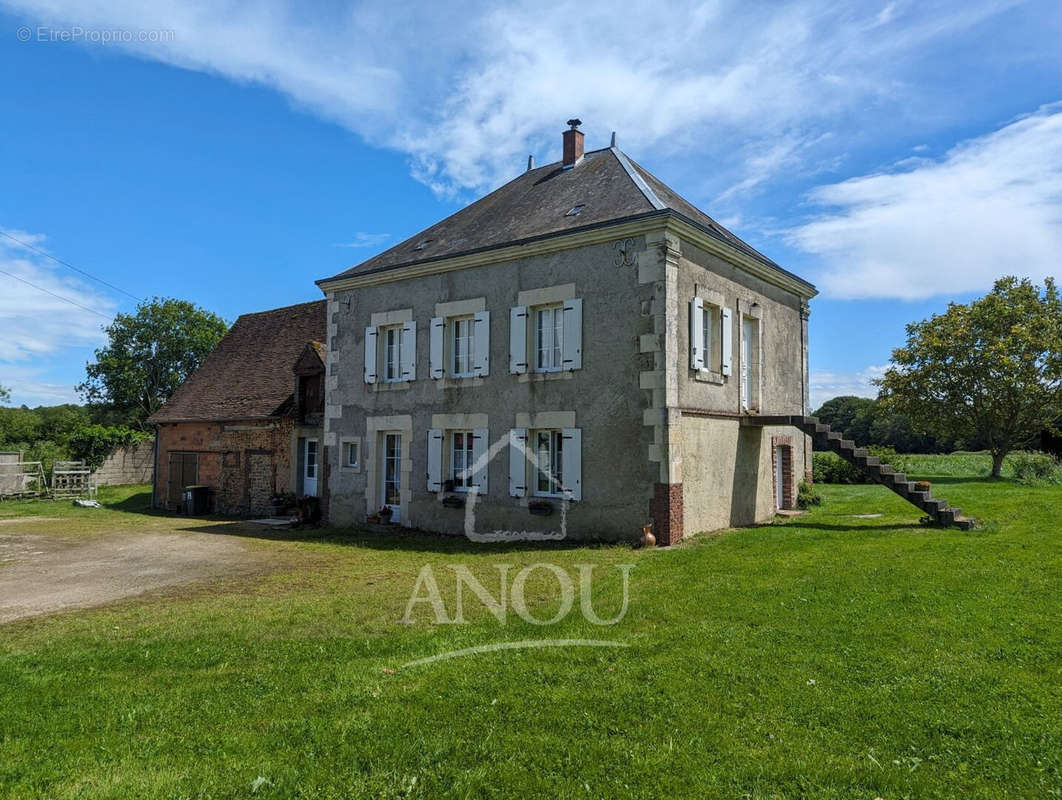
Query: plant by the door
pixel 383 516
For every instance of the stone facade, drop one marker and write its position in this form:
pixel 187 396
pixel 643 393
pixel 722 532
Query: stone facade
pixel 661 442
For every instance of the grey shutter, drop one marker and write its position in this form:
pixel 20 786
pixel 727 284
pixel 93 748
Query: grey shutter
pixel 572 464
pixel 572 346
pixel 480 444
pixel 371 336
pixel 518 462
pixel 436 368
pixel 435 446
pixel 728 341
pixel 409 351
pixel 518 340
pixel 481 341
pixel 697 334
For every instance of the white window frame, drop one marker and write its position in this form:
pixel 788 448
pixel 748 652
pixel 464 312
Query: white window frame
pixel 347 445
pixel 386 333
pixel 554 338
pixel 750 375
pixel 454 326
pixel 467 455
pixel 555 468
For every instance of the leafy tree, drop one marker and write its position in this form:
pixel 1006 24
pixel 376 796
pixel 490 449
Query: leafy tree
pixel 149 355
pixel 852 416
pixel 991 369
pixel 5 394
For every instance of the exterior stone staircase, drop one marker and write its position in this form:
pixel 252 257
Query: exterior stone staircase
pixel 825 439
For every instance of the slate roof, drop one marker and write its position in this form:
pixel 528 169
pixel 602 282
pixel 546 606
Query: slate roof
pixel 249 374
pixel 610 187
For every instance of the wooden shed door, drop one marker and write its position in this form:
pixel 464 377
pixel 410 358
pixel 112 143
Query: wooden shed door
pixel 184 471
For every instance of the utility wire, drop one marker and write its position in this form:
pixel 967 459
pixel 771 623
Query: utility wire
pixel 70 266
pixel 53 294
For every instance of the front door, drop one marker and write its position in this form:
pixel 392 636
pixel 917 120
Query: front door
pixel 392 474
pixel 309 475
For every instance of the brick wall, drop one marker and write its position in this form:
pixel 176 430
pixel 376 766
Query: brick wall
pixel 788 485
pixel 243 462
pixel 665 510
pixel 128 465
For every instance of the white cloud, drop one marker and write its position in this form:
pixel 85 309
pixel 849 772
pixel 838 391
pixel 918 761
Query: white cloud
pixel 467 93
pixel 362 239
pixel 826 385
pixel 31 386
pixel 36 324
pixel 991 206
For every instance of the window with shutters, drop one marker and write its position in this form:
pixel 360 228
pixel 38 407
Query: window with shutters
pixel 463 346
pixel 461 460
pixel 711 339
pixel 549 338
pixel 392 352
pixel 549 463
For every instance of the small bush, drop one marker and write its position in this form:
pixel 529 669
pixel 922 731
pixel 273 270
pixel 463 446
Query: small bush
pixel 1035 468
pixel 831 468
pixel 807 495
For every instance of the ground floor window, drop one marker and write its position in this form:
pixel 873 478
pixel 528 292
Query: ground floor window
pixel 461 460
pixel 392 469
pixel 549 459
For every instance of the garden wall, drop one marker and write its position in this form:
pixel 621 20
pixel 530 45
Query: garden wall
pixel 133 464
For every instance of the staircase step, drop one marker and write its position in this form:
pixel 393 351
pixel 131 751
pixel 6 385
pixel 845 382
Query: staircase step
pixel 964 523
pixel 934 506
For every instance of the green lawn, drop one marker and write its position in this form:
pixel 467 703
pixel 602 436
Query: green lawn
pixel 826 656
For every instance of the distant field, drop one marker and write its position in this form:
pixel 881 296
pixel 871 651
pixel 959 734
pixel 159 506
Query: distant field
pixel 847 653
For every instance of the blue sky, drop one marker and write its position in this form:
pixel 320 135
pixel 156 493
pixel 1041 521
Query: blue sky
pixel 898 154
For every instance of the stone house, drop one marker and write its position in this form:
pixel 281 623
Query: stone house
pixel 248 422
pixel 580 352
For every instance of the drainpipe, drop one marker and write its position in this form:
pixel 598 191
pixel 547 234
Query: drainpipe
pixel 155 470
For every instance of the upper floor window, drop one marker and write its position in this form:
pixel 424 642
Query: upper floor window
pixel 464 338
pixel 710 336
pixel 750 363
pixel 460 346
pixel 391 352
pixel 546 338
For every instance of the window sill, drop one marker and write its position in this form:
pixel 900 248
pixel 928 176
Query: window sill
pixel 390 386
pixel 537 377
pixel 458 383
pixel 707 376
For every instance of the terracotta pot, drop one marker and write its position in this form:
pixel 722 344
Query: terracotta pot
pixel 648 540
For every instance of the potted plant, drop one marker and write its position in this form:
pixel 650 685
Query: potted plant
pixel 384 514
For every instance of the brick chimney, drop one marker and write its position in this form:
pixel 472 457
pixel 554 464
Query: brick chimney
pixel 573 144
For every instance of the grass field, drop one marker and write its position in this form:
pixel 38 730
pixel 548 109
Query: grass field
pixel 829 655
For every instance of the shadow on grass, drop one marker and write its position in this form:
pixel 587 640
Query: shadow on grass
pixel 872 528
pixel 389 538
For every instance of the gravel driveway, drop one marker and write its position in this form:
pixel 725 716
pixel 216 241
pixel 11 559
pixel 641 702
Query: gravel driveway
pixel 40 574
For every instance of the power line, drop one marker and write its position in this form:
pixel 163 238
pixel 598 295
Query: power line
pixel 53 294
pixel 70 266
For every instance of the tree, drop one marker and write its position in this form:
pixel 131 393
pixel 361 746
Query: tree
pixel 853 416
pixel 5 394
pixel 148 355
pixel 990 370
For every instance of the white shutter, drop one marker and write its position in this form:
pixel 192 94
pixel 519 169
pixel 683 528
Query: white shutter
pixel 409 351
pixel 480 443
pixel 518 340
pixel 435 451
pixel 696 334
pixel 481 340
pixel 572 347
pixel 517 462
pixel 436 369
pixel 728 341
pixel 572 464
pixel 371 335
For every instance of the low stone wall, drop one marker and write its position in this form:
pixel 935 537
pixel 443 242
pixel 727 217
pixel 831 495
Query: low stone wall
pixel 134 464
